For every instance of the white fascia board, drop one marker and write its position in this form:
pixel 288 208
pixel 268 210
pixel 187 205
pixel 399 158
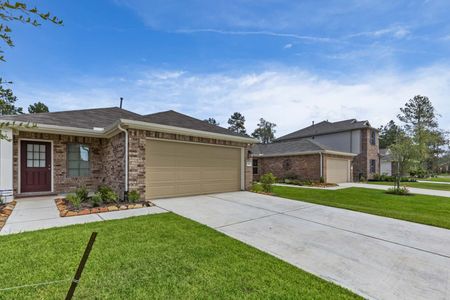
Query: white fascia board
pixel 45 128
pixel 185 131
pixel 306 153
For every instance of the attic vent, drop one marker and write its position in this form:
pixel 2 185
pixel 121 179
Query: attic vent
pixel 353 121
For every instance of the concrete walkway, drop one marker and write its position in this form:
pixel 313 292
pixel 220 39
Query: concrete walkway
pixel 385 187
pixel 438 182
pixel 376 257
pixel 41 212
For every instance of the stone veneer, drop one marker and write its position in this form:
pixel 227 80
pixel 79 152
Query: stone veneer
pixel 107 159
pixel 361 163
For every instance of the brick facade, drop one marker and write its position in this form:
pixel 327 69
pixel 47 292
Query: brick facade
pixel 107 159
pixel 303 167
pixel 361 163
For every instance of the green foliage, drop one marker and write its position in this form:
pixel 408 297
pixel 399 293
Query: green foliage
pixel 134 196
pixel 265 131
pixel 212 121
pixel 82 193
pixel 322 179
pixel 96 199
pixel 402 191
pixel 256 188
pixel 267 181
pixel 7 102
pixel 388 134
pixel 107 194
pixel 37 107
pixel 237 123
pixel 386 178
pixel 75 200
pixel 19 12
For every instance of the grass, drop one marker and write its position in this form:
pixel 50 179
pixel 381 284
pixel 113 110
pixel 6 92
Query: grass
pixel 422 209
pixel 419 185
pixel 438 179
pixel 160 256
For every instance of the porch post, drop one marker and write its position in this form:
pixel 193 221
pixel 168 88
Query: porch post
pixel 6 165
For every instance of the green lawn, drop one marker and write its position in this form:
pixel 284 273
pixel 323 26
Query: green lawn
pixel 160 256
pixel 416 208
pixel 420 185
pixel 438 179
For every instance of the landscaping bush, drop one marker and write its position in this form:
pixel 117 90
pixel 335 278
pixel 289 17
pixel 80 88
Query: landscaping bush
pixel 96 199
pixel 322 179
pixel 267 180
pixel 107 194
pixel 402 191
pixel 134 196
pixel 386 178
pixel 82 193
pixel 256 188
pixel 75 200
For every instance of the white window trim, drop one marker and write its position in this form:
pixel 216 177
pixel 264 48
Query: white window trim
pixel 19 170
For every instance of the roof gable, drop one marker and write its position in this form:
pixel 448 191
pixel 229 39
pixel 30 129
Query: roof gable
pixel 325 127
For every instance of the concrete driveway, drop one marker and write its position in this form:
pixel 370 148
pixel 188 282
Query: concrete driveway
pixel 376 257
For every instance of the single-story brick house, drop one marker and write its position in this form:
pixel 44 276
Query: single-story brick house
pixel 304 159
pixel 159 155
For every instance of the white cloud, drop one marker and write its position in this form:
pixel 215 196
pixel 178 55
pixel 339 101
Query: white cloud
pixel 394 31
pixel 287 46
pixel 291 98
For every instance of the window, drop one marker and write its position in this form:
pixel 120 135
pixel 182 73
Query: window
pixel 36 156
pixel 373 167
pixel 78 160
pixel 255 167
pixel 373 137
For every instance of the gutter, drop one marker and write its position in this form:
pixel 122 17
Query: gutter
pixel 321 152
pixel 125 196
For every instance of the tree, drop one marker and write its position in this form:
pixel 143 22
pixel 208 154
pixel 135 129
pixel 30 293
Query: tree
pixel 421 124
pixel 7 102
pixel 212 121
pixel 388 134
pixel 20 12
pixel 265 132
pixel 237 123
pixel 404 153
pixel 37 107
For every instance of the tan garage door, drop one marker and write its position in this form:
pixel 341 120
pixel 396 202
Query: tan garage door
pixel 179 169
pixel 337 170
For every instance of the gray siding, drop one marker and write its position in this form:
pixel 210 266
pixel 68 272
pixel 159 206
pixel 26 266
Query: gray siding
pixel 348 141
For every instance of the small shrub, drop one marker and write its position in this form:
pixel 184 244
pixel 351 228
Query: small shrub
pixel 322 179
pixel 75 200
pixel 82 193
pixel 134 196
pixel 267 180
pixel 256 188
pixel 107 194
pixel 96 199
pixel 402 191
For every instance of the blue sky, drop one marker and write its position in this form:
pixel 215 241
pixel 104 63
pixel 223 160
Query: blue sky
pixel 290 62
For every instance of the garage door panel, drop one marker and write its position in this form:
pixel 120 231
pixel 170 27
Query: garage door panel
pixel 337 170
pixel 179 169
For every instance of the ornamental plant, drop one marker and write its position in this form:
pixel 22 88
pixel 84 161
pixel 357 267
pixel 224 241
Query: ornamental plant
pixel 267 181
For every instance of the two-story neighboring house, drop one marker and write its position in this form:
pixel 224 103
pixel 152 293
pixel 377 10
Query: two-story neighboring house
pixel 336 151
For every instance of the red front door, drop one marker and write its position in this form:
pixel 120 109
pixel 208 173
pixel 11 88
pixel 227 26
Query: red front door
pixel 35 167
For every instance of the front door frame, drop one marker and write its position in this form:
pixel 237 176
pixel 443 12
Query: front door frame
pixel 19 158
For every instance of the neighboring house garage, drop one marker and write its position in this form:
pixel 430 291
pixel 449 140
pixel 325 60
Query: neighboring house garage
pixel 302 159
pixel 179 169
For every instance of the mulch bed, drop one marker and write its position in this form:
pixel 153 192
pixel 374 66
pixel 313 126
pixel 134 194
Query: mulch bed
pixel 5 211
pixel 67 210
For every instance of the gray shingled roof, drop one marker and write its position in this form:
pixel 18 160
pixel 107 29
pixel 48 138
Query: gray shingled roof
pixel 288 147
pixel 325 127
pixel 173 118
pixel 105 117
pixel 85 118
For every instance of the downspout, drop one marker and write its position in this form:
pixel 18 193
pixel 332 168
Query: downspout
pixel 125 195
pixel 321 164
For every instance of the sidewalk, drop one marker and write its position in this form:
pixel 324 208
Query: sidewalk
pixel 385 187
pixel 41 212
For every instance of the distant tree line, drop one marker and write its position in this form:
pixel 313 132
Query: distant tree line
pixel 416 143
pixel 264 132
